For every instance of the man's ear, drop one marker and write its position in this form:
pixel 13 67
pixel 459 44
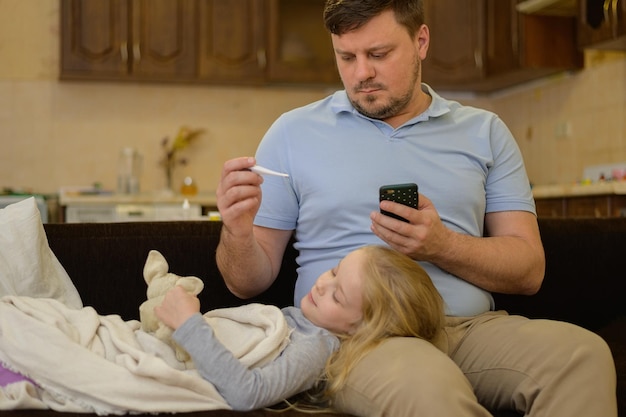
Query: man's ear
pixel 422 41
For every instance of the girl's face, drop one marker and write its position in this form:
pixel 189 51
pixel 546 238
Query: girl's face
pixel 335 301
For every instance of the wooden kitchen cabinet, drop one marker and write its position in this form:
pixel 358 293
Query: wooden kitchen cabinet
pixel 457 41
pixel 587 206
pixel 233 41
pixel 94 38
pixel 128 39
pixel 485 45
pixel 476 45
pixel 611 205
pixel 550 207
pixel 265 41
pixel 299 47
pixel 602 24
pixel 204 41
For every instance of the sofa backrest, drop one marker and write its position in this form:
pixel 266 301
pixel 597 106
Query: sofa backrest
pixel 585 279
pixel 105 261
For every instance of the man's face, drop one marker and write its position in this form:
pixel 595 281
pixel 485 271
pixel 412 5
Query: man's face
pixel 380 66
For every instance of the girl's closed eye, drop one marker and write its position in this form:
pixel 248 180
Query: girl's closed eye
pixel 335 299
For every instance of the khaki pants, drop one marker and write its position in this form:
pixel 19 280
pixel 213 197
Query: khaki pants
pixel 540 368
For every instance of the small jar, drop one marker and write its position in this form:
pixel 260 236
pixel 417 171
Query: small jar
pixel 189 187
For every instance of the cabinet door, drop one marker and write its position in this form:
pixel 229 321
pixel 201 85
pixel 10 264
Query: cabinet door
pixel 94 38
pixel 602 24
pixel 457 41
pixel 164 39
pixel 550 207
pixel 618 205
pixel 588 206
pixel 486 45
pixel 300 49
pixel 128 39
pixel 232 41
pixel 502 51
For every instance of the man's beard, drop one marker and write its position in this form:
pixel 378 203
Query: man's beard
pixel 395 105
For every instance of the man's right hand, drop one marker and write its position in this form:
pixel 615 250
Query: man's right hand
pixel 248 256
pixel 239 195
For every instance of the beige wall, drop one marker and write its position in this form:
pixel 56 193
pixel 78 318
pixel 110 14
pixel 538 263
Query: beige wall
pixel 56 134
pixel 572 121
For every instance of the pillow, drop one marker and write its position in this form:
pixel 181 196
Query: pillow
pixel 27 264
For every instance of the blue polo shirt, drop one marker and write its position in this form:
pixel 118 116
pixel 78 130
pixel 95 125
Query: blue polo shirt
pixel 462 158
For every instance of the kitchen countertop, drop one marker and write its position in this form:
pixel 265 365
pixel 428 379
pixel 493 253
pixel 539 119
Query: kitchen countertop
pixel 210 199
pixel 579 190
pixel 77 198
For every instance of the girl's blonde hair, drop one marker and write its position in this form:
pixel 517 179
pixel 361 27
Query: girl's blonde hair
pixel 399 300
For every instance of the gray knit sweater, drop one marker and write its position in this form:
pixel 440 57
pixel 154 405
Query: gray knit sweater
pixel 296 369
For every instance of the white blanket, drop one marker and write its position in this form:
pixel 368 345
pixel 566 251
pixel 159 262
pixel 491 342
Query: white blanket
pixel 27 264
pixel 85 362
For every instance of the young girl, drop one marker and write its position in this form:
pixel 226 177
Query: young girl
pixel 374 293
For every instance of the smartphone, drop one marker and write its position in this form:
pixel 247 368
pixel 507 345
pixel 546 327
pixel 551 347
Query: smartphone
pixel 400 193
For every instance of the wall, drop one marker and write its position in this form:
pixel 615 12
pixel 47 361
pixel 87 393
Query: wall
pixel 56 134
pixel 572 121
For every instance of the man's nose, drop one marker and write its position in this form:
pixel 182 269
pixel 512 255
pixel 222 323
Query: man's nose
pixel 364 69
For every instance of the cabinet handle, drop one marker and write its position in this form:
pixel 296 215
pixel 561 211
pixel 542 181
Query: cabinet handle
pixel 124 51
pixel 515 42
pixel 261 58
pixel 606 7
pixel 136 52
pixel 478 59
pixel 615 17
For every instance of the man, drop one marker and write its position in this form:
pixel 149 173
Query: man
pixel 475 229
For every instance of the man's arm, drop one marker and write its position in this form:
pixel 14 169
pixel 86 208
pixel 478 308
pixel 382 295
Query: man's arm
pixel 249 257
pixel 509 259
pixel 250 265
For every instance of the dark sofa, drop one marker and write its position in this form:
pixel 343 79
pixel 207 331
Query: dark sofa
pixel 584 284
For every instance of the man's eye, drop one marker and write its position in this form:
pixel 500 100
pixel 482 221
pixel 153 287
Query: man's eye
pixel 379 55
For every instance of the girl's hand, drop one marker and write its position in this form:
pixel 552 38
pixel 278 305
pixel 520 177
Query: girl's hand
pixel 178 305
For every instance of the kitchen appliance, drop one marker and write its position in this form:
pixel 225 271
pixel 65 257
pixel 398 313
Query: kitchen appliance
pixel 129 168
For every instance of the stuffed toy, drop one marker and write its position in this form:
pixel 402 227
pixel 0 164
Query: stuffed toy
pixel 160 280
